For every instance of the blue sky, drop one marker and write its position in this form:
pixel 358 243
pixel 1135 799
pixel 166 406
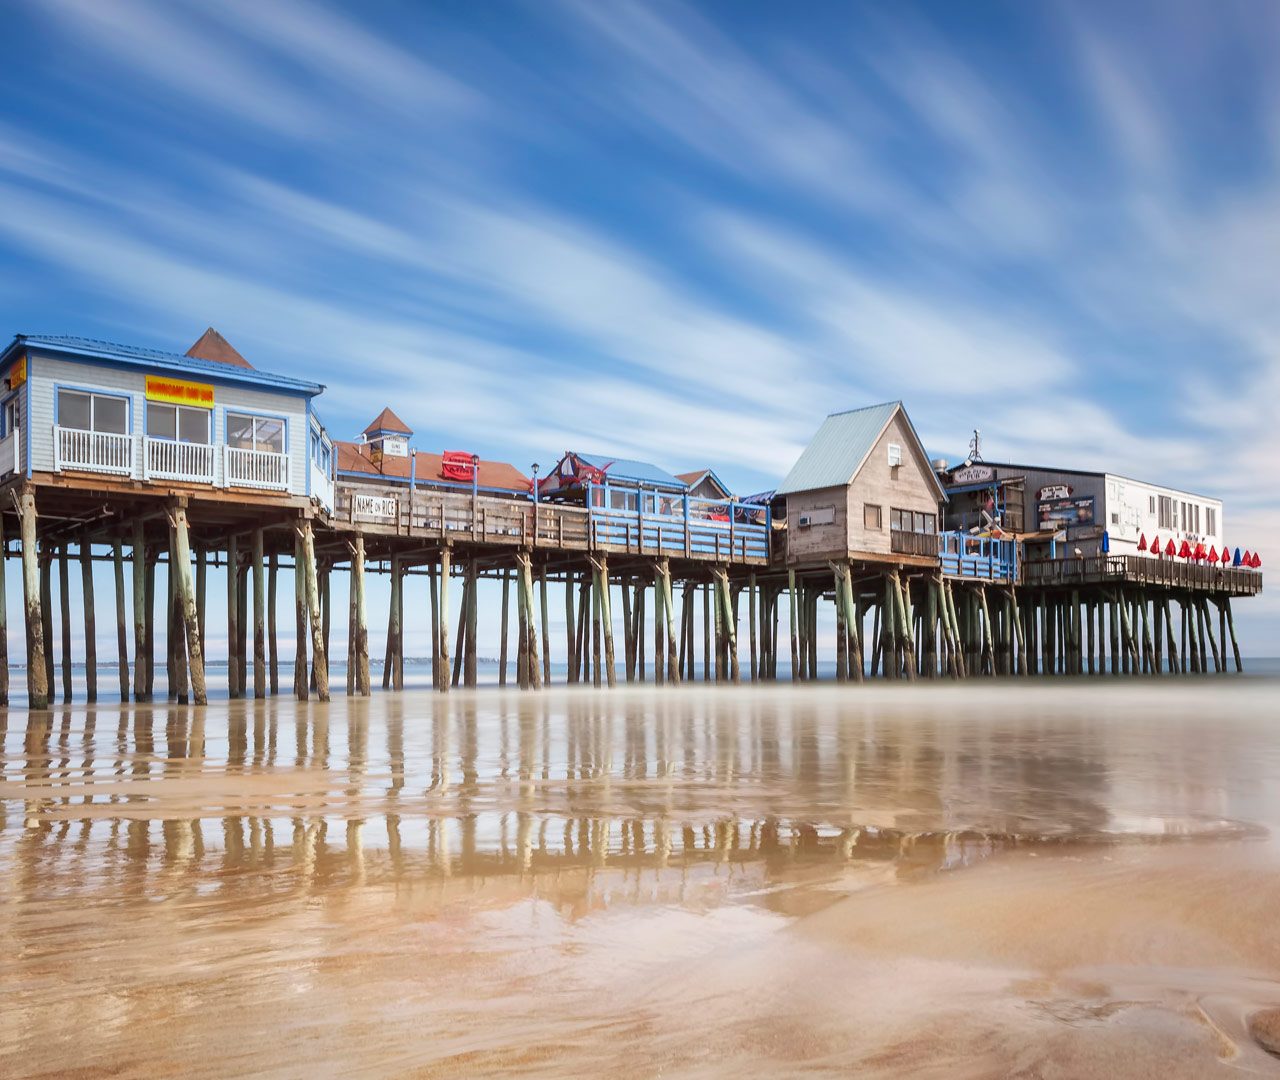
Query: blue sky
pixel 683 233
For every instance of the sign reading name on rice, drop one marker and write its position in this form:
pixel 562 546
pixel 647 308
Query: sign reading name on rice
pixel 178 392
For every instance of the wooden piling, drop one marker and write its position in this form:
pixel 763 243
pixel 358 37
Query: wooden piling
pixel 189 621
pixel 273 645
pixel 570 641
pixel 64 606
pixel 546 626
pixel 234 687
pixel 473 616
pixel 505 620
pixel 90 621
pixel 301 681
pixel 122 633
pixel 37 640
pixel 1231 629
pixel 361 636
pixel 259 616
pixel 445 558
pixel 319 661
pixel 795 633
pixel 4 620
pixel 242 629
pixel 668 610
pixel 628 633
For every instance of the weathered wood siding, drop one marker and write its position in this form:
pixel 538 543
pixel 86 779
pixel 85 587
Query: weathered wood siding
pixel 47 373
pixel 814 543
pixel 909 486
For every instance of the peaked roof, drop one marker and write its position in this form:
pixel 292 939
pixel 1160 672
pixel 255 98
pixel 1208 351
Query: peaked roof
pixel 157 360
pixel 388 421
pixel 629 469
pixel 693 479
pixel 837 452
pixel 427 468
pixel 213 346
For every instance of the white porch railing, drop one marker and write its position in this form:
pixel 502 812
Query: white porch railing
pixel 93 451
pixel 185 461
pixel 11 452
pixel 321 487
pixel 255 468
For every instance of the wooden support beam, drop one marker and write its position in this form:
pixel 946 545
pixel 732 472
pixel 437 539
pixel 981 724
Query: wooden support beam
pixel 190 620
pixel 139 575
pixel 473 617
pixel 506 619
pixel 64 606
pixel 46 609
pixel 534 664
pixel 37 674
pixel 1231 629
pixel 90 621
pixel 434 586
pixel 242 629
pixel 546 626
pixel 795 633
pixel 730 624
pixel 668 610
pixel 301 682
pixel 273 644
pixel 319 661
pixel 606 618
pixel 122 631
pixel 460 638
pixel 1219 660
pixel 628 632
pixel 361 635
pixel 445 560
pixel 639 628
pixel 234 688
pixel 259 615
pixel 571 652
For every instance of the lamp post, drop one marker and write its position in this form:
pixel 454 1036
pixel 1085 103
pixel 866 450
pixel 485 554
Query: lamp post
pixel 535 483
pixel 475 475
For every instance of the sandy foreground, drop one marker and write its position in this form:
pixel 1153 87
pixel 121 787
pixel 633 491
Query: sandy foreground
pixel 1048 880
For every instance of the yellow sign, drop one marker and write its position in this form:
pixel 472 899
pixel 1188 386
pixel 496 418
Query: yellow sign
pixel 178 392
pixel 18 373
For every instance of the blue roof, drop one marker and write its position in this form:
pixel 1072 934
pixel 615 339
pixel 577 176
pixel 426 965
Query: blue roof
pixel 640 472
pixel 159 359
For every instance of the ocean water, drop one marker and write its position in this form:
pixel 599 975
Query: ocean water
pixel 1046 878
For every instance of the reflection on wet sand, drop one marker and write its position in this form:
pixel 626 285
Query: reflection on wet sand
pixel 617 876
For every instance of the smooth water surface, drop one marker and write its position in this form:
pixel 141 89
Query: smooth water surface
pixel 1046 879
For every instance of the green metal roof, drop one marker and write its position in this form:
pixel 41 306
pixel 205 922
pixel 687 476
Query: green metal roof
pixel 839 448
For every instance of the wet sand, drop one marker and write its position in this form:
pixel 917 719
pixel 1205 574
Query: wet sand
pixel 1047 880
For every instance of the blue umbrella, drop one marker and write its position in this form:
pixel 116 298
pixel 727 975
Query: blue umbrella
pixel 1236 559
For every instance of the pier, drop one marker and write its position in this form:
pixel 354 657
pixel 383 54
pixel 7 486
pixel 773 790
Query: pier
pixel 140 459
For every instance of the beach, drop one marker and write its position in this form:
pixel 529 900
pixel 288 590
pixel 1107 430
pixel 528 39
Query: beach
pixel 1055 879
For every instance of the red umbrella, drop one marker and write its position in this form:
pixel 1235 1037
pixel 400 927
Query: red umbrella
pixel 1170 550
pixel 1257 561
pixel 1199 553
pixel 1248 559
pixel 1213 554
pixel 1155 547
pixel 1184 552
pixel 1142 542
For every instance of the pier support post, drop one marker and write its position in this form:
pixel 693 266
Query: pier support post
pixel 122 630
pixel 532 662
pixel 795 634
pixel 190 621
pixel 46 613
pixel 669 612
pixel 4 621
pixel 629 631
pixel 64 606
pixel 234 688
pixel 90 621
pixel 473 620
pixel 301 682
pixel 139 573
pixel 546 627
pixel 606 619
pixel 433 584
pixel 201 594
pixel 37 673
pixel 729 625
pixel 393 626
pixel 1219 658
pixel 504 627
pixel 445 557
pixel 1231 629
pixel 319 662
pixel 273 644
pixel 360 635
pixel 259 616
pixel 570 640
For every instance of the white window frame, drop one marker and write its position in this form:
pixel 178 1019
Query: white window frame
pixel 177 424
pixel 255 419
pixel 93 396
pixel 895 455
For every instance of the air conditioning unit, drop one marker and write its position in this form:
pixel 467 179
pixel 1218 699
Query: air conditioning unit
pixel 805 521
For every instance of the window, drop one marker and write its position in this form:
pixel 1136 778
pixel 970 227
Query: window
pixel 1165 512
pixel 12 415
pixel 1197 529
pixel 177 422
pixel 1211 520
pixel 913 521
pixel 895 455
pixel 262 433
pixel 1115 517
pixel 1151 504
pixel 93 412
pixel 321 452
pixel 871 517
pixel 622 500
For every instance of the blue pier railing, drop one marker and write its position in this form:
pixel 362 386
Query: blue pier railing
pixel 963 555
pixel 675 525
